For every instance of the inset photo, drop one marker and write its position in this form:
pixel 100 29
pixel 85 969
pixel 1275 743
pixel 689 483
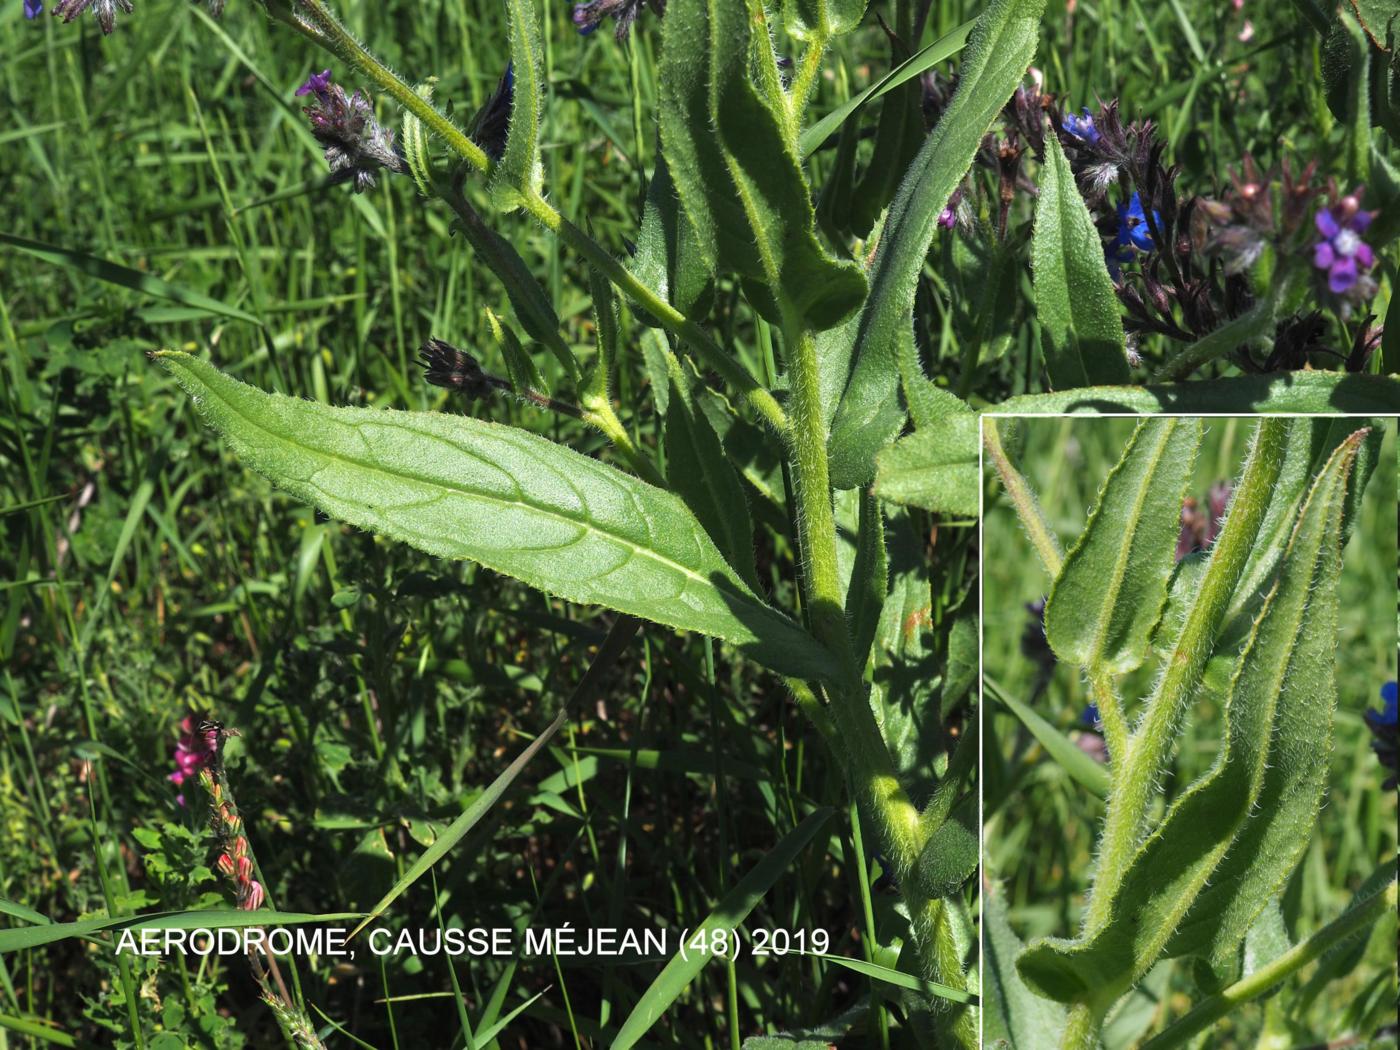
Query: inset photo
pixel 1189 722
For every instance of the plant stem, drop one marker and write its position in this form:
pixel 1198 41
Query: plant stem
pixel 339 41
pixel 1210 1010
pixel 1023 499
pixel 803 80
pixel 1115 723
pixel 1135 776
pixel 1082 1029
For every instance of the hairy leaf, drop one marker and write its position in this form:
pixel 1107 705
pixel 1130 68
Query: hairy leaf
pixel 823 18
pixel 865 594
pixel 935 468
pixel 668 259
pixel 870 415
pixel 519 170
pixel 1323 393
pixel 736 168
pixel 1109 594
pixel 1080 319
pixel 1015 1015
pixel 1287 665
pixel 948 858
pixel 464 488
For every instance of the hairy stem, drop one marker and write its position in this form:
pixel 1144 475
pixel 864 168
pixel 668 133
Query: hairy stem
pixel 1082 1028
pixel 1135 773
pixel 1023 499
pixel 1210 1010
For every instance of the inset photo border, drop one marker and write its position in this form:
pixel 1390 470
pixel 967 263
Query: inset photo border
pixel 1188 655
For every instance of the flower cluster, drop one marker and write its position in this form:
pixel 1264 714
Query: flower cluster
pixel 105 10
pixel 451 368
pixel 356 144
pixel 235 861
pixel 1341 253
pixel 589 16
pixel 193 752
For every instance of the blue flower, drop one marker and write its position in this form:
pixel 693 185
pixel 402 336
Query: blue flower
pixel 1388 717
pixel 1133 230
pixel 1090 717
pixel 33 8
pixel 1082 128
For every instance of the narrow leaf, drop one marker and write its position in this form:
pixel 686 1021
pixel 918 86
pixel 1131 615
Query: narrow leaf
pixel 729 913
pixel 1080 318
pixel 215 919
pixel 1322 393
pixel 935 468
pixel 1287 664
pixel 870 415
pixel 668 260
pixel 870 577
pixel 464 488
pixel 701 474
pixel 126 277
pixel 736 168
pixel 1066 754
pixel 1108 597
pixel 519 170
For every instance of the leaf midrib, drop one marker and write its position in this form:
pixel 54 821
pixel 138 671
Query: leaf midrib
pixel 485 497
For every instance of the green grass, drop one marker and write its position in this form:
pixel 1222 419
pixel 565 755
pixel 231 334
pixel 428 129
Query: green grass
pixel 1040 825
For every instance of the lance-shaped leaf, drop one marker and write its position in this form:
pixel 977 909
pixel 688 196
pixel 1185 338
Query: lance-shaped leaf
pixel 1110 592
pixel 464 488
pixel 1268 848
pixel 870 415
pixel 870 578
pixel 667 259
pixel 935 468
pixel 1286 665
pixel 1323 393
pixel 1015 1016
pixel 519 170
pixel 1080 320
pixel 735 165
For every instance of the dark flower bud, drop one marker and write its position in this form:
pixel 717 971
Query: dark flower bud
pixel 453 369
pixel 105 10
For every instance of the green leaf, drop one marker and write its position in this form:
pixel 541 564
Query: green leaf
pixel 520 367
pixel 126 277
pixel 736 167
pixel 935 468
pixel 1080 317
pixel 870 415
pixel 469 817
pixel 870 578
pixel 668 259
pixel 701 474
pixel 1014 1014
pixel 463 488
pixel 519 172
pixel 898 134
pixel 1287 665
pixel 949 44
pixel 898 978
pixel 822 18
pixel 1108 597
pixel 728 914
pixel 1323 393
pixel 1271 843
pixel 948 858
pixel 1063 750
pixel 532 306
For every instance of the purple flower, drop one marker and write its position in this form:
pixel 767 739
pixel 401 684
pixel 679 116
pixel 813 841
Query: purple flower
pixel 193 752
pixel 589 16
pixel 33 8
pixel 356 144
pixel 1383 731
pixel 316 84
pixel 105 10
pixel 1342 252
pixel 1082 128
